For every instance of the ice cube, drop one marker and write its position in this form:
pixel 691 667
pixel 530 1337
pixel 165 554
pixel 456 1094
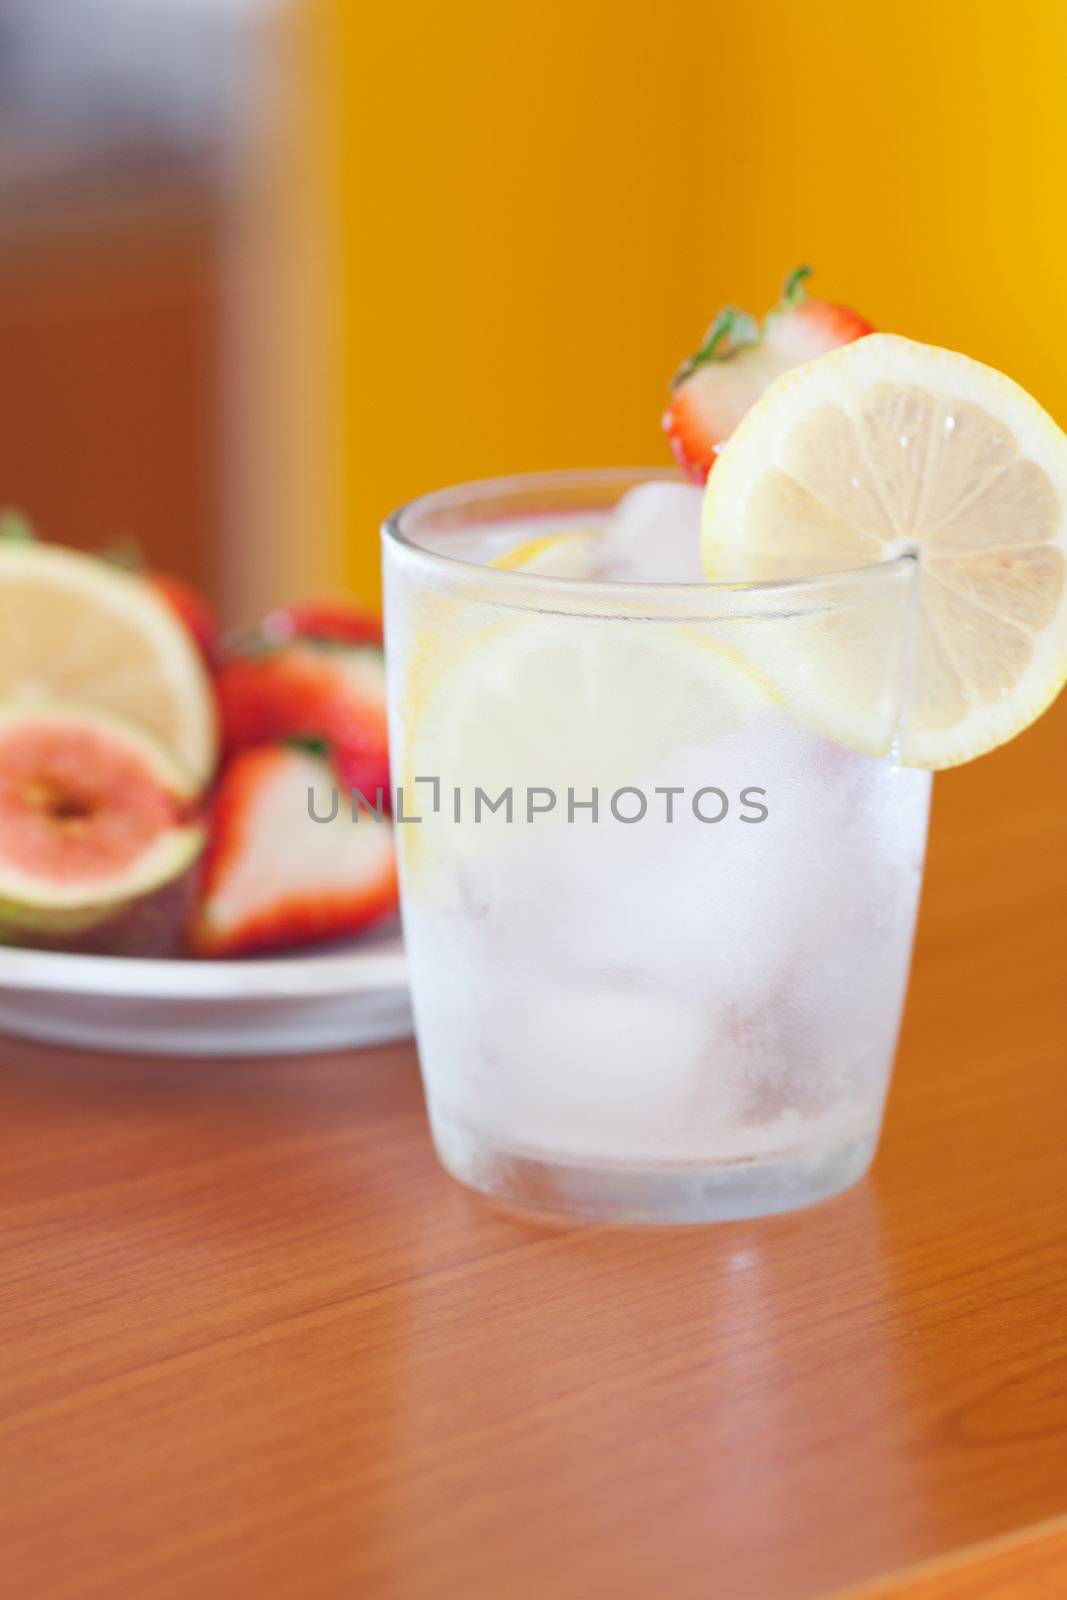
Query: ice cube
pixel 653 536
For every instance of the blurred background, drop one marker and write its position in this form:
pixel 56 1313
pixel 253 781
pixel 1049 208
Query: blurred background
pixel 267 269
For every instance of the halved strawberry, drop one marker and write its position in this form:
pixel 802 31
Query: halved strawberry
pixel 286 865
pixel 739 357
pixel 309 690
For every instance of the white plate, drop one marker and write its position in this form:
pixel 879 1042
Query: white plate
pixel 278 1005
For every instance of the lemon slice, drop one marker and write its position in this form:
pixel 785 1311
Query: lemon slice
pixel 555 555
pixel 74 628
pixel 889 448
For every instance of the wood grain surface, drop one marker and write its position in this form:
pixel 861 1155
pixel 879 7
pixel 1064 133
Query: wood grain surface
pixel 254 1342
pixel 1027 1565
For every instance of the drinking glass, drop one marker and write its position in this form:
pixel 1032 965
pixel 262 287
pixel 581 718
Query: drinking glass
pixel 659 873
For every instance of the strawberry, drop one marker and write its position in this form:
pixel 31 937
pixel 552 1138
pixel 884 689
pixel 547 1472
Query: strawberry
pixel 738 358
pixel 191 609
pixel 310 690
pixel 281 868
pixel 326 620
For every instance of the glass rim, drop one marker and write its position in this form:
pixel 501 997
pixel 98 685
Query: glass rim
pixel 705 600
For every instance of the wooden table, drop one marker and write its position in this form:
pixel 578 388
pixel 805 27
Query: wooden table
pixel 255 1343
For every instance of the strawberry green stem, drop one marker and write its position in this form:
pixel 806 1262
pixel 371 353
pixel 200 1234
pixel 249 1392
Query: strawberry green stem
pixel 15 529
pixel 794 290
pixel 731 330
pixel 309 744
pixel 124 553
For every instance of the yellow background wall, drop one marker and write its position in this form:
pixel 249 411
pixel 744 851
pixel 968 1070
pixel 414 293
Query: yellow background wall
pixel 535 209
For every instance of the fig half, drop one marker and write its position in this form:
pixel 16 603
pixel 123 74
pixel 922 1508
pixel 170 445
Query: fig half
pixel 97 835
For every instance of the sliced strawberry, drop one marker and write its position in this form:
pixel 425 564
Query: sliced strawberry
pixel 274 877
pixel 738 358
pixel 326 620
pixel 306 690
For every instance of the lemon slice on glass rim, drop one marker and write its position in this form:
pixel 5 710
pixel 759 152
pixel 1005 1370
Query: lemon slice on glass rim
pixel 889 448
